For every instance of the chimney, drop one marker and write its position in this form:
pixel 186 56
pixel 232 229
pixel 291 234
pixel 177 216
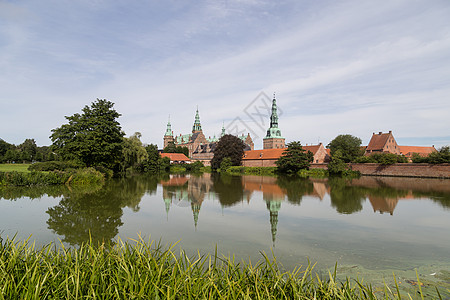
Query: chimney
pixel 379 133
pixel 390 131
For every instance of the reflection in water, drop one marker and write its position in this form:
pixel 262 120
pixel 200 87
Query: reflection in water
pixel 345 198
pixel 95 211
pixel 346 195
pixel 96 215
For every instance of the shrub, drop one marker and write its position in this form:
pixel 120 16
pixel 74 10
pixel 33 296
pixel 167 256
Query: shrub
pixel 382 158
pixel 83 176
pixel 194 167
pixel 440 157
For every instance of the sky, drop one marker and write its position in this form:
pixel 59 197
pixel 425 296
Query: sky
pixel 336 67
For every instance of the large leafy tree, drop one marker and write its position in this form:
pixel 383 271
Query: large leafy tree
pixel 93 137
pixel 172 148
pixel 228 146
pixel 133 151
pixel 349 146
pixel 294 159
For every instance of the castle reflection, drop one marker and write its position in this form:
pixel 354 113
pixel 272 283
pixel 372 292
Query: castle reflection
pixel 346 195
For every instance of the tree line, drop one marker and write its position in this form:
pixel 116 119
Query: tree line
pixel 94 138
pixel 26 152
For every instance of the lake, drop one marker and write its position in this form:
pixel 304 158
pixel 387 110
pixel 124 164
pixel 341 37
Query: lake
pixel 373 227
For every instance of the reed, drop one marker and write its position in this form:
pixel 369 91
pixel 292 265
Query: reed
pixel 146 270
pixel 33 178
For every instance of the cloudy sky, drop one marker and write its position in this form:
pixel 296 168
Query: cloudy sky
pixel 337 67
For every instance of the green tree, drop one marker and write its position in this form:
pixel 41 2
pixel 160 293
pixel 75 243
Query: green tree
pixel 349 145
pixel 183 150
pixel 93 137
pixel 439 157
pixel 228 146
pixel 133 151
pixel 294 159
pixel 381 158
pixel 225 164
pixel 29 147
pixel 171 148
pixel 4 146
pixel 337 166
pixel 12 155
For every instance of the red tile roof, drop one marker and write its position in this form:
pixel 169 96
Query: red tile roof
pixel 175 156
pixel 274 153
pixel 263 154
pixel 409 150
pixel 378 141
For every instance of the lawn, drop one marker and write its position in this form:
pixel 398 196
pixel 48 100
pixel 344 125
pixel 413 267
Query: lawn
pixel 14 167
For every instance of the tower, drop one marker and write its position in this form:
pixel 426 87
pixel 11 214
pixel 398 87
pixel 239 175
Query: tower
pixel 197 126
pixel 273 139
pixel 223 130
pixel 168 136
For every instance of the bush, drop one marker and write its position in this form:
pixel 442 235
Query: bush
pixel 194 167
pixel 382 158
pixel 337 166
pixel 440 157
pixel 84 176
pixel 177 169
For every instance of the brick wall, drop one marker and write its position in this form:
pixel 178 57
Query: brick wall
pixel 259 162
pixel 408 170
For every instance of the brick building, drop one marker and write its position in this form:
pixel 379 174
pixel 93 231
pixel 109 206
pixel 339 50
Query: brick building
pixel 200 147
pixel 382 142
pixel 268 157
pixel 385 142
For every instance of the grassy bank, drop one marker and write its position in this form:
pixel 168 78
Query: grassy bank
pixel 14 168
pixel 80 176
pixel 145 270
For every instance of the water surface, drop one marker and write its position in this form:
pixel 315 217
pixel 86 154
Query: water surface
pixel 371 226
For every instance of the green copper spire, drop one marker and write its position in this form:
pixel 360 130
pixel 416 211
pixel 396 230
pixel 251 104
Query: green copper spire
pixel 223 130
pixel 273 131
pixel 168 129
pixel 274 116
pixel 197 126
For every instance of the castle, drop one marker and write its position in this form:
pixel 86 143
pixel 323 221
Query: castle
pixel 200 147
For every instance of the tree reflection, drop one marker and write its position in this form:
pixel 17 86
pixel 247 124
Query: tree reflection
pixel 96 215
pixel 345 198
pixel 295 188
pixel 229 189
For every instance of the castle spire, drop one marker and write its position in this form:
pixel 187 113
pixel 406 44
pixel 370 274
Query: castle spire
pixel 168 129
pixel 223 129
pixel 274 115
pixel 273 139
pixel 197 126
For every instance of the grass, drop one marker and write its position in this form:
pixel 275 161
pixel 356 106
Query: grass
pixel 146 270
pixel 14 167
pixel 80 176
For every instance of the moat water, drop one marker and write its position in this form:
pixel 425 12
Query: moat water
pixel 372 227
